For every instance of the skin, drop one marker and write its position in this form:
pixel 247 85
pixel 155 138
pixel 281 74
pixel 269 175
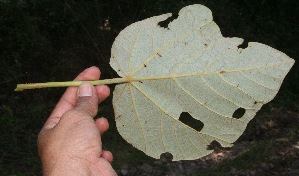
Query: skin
pixel 70 141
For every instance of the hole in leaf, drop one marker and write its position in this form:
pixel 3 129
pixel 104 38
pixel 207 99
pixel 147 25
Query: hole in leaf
pixel 243 45
pixel 239 113
pixel 187 119
pixel 214 145
pixel 165 23
pixel 167 157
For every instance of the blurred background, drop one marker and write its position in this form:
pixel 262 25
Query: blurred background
pixel 50 40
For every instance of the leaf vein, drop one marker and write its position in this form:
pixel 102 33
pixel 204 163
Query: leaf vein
pixel 257 82
pixel 182 88
pixel 177 141
pixel 137 115
pixel 169 114
pixel 167 45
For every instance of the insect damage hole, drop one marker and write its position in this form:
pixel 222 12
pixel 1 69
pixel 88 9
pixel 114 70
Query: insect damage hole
pixel 239 113
pixel 166 22
pixel 214 145
pixel 243 45
pixel 166 157
pixel 187 119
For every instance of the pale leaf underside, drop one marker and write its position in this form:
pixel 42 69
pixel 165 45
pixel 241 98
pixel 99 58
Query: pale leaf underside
pixel 189 67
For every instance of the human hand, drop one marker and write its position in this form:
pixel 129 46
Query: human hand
pixel 70 141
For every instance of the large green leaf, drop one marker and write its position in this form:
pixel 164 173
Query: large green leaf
pixel 189 67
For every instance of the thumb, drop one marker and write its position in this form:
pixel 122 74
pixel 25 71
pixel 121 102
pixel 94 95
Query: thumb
pixel 87 102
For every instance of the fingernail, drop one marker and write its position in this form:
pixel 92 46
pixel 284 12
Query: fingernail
pixel 85 90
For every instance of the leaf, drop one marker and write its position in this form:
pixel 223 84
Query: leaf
pixel 189 67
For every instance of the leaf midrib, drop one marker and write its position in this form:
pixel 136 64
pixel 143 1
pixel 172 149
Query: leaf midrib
pixel 136 79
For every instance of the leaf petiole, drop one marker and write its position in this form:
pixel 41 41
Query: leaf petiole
pixel 21 87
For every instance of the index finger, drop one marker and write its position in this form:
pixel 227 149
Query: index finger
pixel 69 98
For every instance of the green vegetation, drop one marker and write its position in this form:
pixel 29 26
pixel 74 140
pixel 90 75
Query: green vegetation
pixel 43 40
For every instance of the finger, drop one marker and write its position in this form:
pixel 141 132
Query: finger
pixel 69 98
pixel 108 171
pixel 107 155
pixel 87 102
pixel 102 124
pixel 103 92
